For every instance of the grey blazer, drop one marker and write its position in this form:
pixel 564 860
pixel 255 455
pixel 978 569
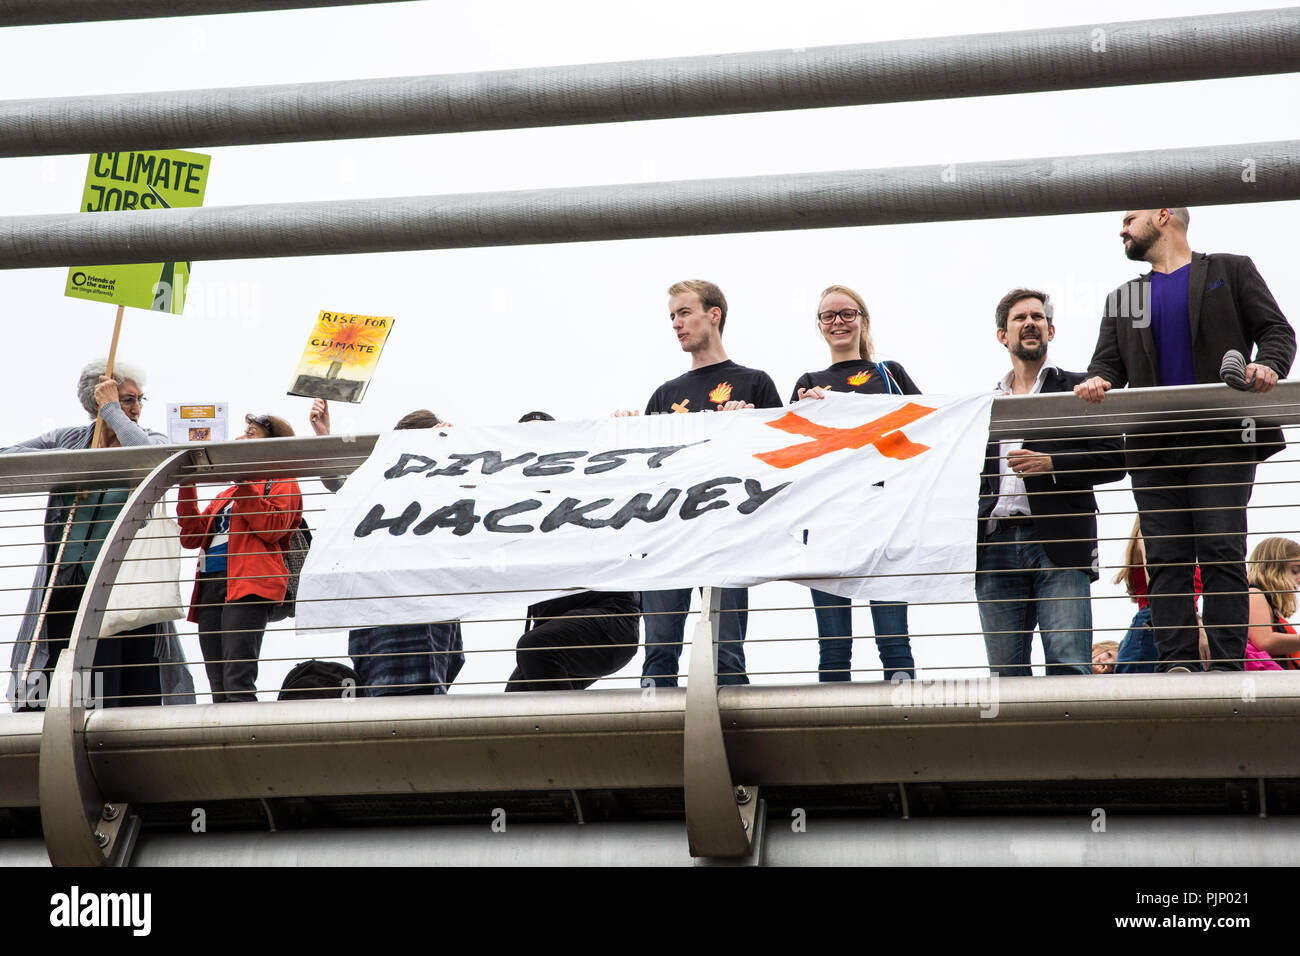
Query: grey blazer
pixel 175 678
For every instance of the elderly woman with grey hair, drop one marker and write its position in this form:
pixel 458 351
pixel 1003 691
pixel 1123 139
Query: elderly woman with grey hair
pixel 76 525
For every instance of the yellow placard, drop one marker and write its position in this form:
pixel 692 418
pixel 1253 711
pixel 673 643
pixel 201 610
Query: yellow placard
pixel 157 179
pixel 341 355
pixel 198 411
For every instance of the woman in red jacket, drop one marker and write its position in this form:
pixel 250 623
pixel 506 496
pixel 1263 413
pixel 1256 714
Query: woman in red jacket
pixel 241 534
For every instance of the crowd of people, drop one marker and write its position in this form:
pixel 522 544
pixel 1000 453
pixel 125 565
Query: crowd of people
pixel 1036 524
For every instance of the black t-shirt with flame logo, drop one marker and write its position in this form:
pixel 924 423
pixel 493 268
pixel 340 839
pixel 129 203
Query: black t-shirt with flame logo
pixel 859 376
pixel 708 389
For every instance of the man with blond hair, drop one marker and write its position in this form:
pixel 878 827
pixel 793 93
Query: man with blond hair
pixel 698 312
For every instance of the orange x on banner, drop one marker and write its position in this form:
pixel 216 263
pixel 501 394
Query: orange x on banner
pixel 826 439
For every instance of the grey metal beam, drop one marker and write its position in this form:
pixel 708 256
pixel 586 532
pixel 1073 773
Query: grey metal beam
pixel 20 750
pixel 1145 727
pixel 452 743
pixel 1129 411
pixel 1134 727
pixel 308 457
pixel 1210 175
pixel 1057 58
pixel 1179 841
pixel 20 13
pixel 606 844
pixel 23 851
pixel 1128 840
pixel 305 457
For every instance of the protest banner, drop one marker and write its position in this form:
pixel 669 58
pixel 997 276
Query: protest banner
pixel 160 179
pixel 341 355
pixel 864 496
pixel 187 423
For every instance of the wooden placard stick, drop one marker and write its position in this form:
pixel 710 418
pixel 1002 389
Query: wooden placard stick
pixel 97 440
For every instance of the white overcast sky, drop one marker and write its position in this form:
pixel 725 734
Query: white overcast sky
pixel 578 330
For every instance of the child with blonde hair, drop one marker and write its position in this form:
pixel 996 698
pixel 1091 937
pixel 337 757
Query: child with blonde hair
pixel 1273 572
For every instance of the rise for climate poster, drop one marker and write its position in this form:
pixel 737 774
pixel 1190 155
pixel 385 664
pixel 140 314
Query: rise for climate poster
pixel 341 355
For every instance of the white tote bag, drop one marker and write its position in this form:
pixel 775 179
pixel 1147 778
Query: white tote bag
pixel 148 585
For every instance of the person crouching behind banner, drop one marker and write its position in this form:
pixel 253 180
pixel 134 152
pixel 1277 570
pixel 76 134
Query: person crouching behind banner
pixel 1274 574
pixel 75 528
pixel 572 641
pixel 397 659
pixel 241 536
pixel 846 326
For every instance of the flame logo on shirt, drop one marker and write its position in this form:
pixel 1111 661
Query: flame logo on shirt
pixel 722 394
pixel 860 378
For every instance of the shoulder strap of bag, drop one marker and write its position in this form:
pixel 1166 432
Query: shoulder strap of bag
pixel 891 387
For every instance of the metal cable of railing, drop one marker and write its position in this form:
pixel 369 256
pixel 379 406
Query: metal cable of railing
pixel 782 637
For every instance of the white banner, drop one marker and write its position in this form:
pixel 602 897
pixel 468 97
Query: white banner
pixel 437 520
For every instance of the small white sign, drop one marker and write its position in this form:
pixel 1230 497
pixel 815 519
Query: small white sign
pixel 196 422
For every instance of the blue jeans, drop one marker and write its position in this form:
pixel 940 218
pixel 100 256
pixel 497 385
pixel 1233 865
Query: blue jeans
pixel 1137 652
pixel 1024 590
pixel 664 613
pixel 835 622
pixel 398 659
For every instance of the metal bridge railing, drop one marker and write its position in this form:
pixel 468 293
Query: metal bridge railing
pixel 784 730
pixel 701 738
pixel 778 626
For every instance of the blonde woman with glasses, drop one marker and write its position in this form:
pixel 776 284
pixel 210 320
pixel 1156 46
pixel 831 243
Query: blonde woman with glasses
pixel 845 325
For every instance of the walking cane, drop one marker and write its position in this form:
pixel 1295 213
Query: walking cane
pixel 49 590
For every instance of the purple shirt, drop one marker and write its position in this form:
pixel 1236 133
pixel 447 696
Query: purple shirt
pixel 1170 327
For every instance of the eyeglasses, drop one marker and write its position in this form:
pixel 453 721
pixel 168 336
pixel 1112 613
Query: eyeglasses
pixel 130 401
pixel 847 315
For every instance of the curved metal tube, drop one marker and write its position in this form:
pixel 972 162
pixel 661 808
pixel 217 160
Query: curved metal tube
pixel 1211 175
pixel 79 829
pixel 1058 58
pixel 20 13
